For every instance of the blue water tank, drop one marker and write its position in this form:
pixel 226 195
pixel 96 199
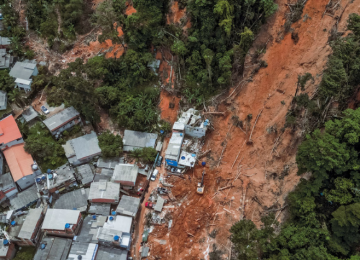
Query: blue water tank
pixel 203 164
pixel 13 223
pixel 116 238
pixel 38 180
pixel 48 171
pixel 111 218
pixel 6 242
pixel 42 246
pixel 113 213
pixel 181 134
pixel 94 217
pixel 43 178
pixel 161 131
pixel 67 225
pixel 50 176
pixel 193 154
pixel 183 157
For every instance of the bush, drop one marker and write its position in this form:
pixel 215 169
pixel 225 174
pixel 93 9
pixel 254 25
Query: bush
pixel 111 145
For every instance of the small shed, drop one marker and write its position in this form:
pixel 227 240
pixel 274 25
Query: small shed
pixel 145 251
pixel 128 206
pixel 159 204
pixel 126 174
pixel 30 114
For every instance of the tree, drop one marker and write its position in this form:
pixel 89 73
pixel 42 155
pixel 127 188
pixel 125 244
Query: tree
pixel 145 155
pixel 7 83
pixel 110 144
pixel 342 193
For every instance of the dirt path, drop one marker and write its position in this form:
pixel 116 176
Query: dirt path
pixel 266 169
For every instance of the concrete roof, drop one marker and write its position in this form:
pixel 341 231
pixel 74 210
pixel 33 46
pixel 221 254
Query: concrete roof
pixel 24 198
pixel 120 223
pixel 89 229
pixel 4 249
pixel 55 121
pixel 56 249
pixel 76 199
pixel 57 218
pixel 187 159
pixel 106 253
pixel 64 173
pixel 145 251
pixel 30 222
pixel 86 250
pixel 128 206
pixel 109 163
pixel 22 70
pixel 159 204
pixel 86 145
pixel 104 190
pixel 85 173
pixel 125 172
pixel 99 209
pixel 29 114
pixel 174 147
pixel 178 126
pixel 135 139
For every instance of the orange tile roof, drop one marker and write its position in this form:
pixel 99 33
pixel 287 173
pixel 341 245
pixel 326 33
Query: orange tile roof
pixel 9 130
pixel 19 161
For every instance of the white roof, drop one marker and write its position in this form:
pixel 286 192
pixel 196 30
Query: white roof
pixel 120 223
pixel 187 159
pixel 87 251
pixel 23 81
pixel 176 138
pixel 30 222
pixel 57 218
pixel 178 126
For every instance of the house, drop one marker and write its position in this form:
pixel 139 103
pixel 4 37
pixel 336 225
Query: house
pixel 86 251
pixel 76 199
pixel 29 115
pixel 57 180
pixel 53 248
pixel 103 174
pixel 172 152
pixel 4 41
pixel 6 60
pixel 104 192
pixel 187 159
pixel 84 174
pixel 24 199
pixel 89 229
pixel 106 253
pixel 109 163
pixel 25 229
pixel 7 185
pixel 22 72
pixel 116 232
pixel 82 149
pixel 62 121
pixel 126 174
pixel 62 222
pixel 128 206
pixel 7 250
pixel 99 209
pixel 3 100
pixel 137 140
pixel 144 251
pixel 21 164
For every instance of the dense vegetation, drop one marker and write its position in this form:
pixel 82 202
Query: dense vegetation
pixel 111 145
pixel 145 155
pixel 325 210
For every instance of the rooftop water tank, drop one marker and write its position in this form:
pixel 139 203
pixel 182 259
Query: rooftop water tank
pixel 67 225
pixel 94 217
pixel 50 176
pixel 116 238
pixel 48 171
pixel 79 257
pixel 42 246
pixel 43 178
pixel 183 157
pixel 34 167
pixel 38 180
pixel 111 218
pixel 113 213
pixel 13 223
pixel 6 242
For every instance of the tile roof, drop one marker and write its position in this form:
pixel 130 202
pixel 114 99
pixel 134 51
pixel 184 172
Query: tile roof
pixel 55 219
pixel 9 130
pixel 99 209
pixel 89 229
pixel 57 120
pixel 109 163
pixel 85 173
pixel 19 161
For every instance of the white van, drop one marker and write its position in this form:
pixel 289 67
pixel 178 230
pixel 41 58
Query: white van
pixel 153 176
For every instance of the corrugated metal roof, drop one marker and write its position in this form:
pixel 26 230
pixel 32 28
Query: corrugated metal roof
pixel 87 251
pixel 62 174
pixel 145 251
pixel 60 118
pixel 89 229
pixel 106 253
pixel 6 179
pixel 159 204
pixel 29 114
pixel 86 145
pixel 23 81
pixel 56 249
pixel 24 198
pixel 109 163
pixel 30 222
pixel 99 209
pixel 111 191
pixel 125 172
pixel 135 139
pixel 57 218
pixel 22 70
pixel 128 206
pixel 76 199
pixel 85 173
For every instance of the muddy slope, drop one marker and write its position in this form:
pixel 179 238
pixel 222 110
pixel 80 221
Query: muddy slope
pixel 264 172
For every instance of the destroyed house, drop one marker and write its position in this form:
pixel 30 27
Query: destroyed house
pixel 128 206
pixel 84 251
pixel 24 230
pixel 104 192
pixel 137 140
pixel 3 100
pixel 82 149
pixel 173 150
pixel 56 180
pixel 116 232
pixel 53 248
pixel 23 72
pixel 62 222
pixel 126 174
pixel 62 121
pixel 73 200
